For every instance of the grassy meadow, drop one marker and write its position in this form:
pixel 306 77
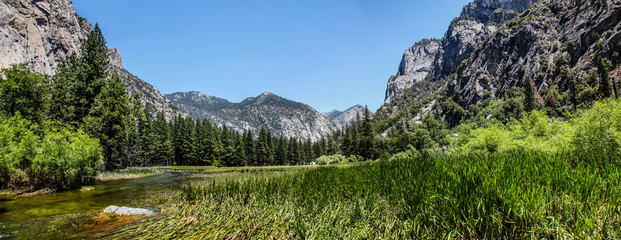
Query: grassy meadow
pixel 517 195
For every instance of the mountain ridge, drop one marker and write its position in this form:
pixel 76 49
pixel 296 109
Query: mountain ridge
pixel 283 117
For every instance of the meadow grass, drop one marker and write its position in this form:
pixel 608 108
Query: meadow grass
pixel 505 195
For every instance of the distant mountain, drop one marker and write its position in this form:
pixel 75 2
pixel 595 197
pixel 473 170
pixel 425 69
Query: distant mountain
pixel 347 116
pixel 281 116
pixel 43 33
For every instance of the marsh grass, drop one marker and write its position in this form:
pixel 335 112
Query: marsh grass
pixel 517 195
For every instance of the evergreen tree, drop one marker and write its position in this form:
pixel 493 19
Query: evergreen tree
pixel 22 91
pixel 79 80
pixel 249 149
pixel 162 150
pixel 108 121
pixel 263 154
pixel 239 154
pixel 280 155
pixel 228 147
pixel 605 87
pixel 367 136
pixel 530 100
pixel 138 136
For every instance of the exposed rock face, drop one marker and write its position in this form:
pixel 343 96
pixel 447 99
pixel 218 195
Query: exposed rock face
pixel 281 116
pixel 347 116
pixel 477 22
pixel 39 32
pixel 43 33
pixel 560 34
pixel 415 65
pixel 115 58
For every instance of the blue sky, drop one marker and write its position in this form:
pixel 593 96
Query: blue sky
pixel 329 54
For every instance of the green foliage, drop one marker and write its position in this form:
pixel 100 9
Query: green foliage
pixel 108 120
pixel 598 132
pixel 47 155
pixel 464 196
pixel 23 91
pixel 530 98
pixel 332 159
pixel 79 80
pixel 605 86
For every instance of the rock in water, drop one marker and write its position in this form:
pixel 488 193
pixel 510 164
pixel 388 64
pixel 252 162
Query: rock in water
pixel 127 210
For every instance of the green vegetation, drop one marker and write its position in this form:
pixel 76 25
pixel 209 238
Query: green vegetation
pixel 46 155
pixel 533 178
pixel 517 195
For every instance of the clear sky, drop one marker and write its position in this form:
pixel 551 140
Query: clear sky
pixel 329 54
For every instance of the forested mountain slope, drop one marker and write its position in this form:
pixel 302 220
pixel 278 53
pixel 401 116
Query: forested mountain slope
pixel 281 116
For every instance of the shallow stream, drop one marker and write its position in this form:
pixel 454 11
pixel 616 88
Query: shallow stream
pixel 62 215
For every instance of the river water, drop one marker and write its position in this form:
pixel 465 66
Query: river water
pixel 62 215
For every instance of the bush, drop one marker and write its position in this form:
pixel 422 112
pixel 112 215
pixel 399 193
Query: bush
pixel 331 159
pixel 598 132
pixel 45 156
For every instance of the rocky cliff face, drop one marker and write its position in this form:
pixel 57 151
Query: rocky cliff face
pixel 281 116
pixel 552 43
pixel 39 32
pixel 432 61
pixel 477 21
pixel 43 33
pixel 495 46
pixel 415 65
pixel 348 116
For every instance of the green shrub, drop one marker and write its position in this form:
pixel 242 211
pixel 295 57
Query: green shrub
pixel 38 156
pixel 598 132
pixel 331 159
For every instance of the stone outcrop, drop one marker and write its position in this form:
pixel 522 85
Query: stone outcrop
pixel 281 116
pixel 415 65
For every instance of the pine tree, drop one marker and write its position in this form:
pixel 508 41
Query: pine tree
pixel 79 80
pixel 280 155
pixel 605 87
pixel 367 136
pixel 228 147
pixel 108 121
pixel 138 137
pixel 22 91
pixel 162 151
pixel 249 149
pixel 239 155
pixel 530 100
pixel 263 154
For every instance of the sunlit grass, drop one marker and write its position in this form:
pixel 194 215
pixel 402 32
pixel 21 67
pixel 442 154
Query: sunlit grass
pixel 518 195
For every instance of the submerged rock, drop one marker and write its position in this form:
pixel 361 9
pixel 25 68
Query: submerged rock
pixel 127 210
